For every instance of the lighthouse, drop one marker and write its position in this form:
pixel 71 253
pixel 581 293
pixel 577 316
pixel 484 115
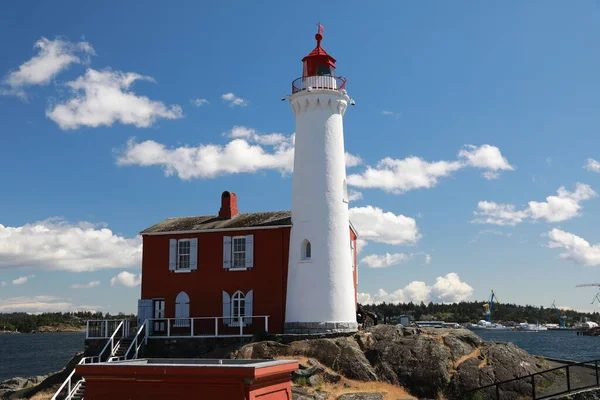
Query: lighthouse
pixel 320 288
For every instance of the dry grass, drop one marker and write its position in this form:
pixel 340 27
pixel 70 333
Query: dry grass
pixel 45 394
pixel 473 354
pixel 391 392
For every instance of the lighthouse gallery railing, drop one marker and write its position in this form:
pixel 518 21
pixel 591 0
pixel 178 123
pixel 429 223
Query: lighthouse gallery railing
pixel 318 82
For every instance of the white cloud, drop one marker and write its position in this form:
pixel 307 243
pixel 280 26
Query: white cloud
pixel 103 98
pixel 388 260
pixel 352 160
pixel 549 161
pixel 54 56
pixel 488 232
pixel 399 176
pixel 575 248
pixel 247 152
pixel 354 195
pixel 39 304
pixel 592 165
pixel 450 289
pixel 54 244
pixel 88 285
pixel 374 224
pixel 199 102
pixel 498 214
pixel 23 279
pixel 233 100
pixel 485 157
pixel 126 279
pixel 390 113
pixel 562 207
pixel 447 289
pixel 558 208
pixel 3 284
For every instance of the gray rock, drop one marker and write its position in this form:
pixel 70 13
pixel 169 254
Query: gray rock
pixel 330 377
pixel 343 355
pixel 361 396
pixel 315 380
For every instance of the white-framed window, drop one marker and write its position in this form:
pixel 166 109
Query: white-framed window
pixel 237 306
pixel 238 252
pixel 182 310
pixel 183 255
pixel 306 250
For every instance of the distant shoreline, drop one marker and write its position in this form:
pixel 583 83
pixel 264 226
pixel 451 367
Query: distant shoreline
pixel 48 329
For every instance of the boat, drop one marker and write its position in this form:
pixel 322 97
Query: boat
pixel 483 324
pixel 532 327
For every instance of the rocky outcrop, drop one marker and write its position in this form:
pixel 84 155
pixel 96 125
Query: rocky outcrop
pixel 343 355
pixel 429 363
pixel 37 384
pixel 14 384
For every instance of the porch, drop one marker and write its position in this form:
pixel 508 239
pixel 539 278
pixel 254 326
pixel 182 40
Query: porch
pixel 193 327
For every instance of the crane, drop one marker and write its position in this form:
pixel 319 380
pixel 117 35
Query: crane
pixel 597 296
pixel 561 316
pixel 487 308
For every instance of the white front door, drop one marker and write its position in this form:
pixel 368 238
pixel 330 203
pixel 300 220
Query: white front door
pixel 159 312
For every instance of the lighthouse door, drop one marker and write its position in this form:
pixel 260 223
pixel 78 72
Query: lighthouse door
pixel 159 312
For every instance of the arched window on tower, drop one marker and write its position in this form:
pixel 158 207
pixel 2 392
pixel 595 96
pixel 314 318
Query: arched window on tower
pixel 182 310
pixel 306 250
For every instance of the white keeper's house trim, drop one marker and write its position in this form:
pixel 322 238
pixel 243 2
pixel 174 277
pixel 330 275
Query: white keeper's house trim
pixel 248 228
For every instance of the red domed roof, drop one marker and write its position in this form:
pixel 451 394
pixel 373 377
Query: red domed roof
pixel 320 53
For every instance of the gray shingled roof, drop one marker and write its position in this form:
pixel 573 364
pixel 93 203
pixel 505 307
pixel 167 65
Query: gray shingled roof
pixel 248 220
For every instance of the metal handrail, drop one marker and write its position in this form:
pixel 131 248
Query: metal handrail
pixel 588 364
pixel 318 82
pixel 111 341
pixel 67 381
pixel 134 342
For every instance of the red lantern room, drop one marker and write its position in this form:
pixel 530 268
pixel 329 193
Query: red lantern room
pixel 318 62
pixel 318 70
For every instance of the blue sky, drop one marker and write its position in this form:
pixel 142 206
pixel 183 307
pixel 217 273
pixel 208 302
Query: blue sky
pixel 468 117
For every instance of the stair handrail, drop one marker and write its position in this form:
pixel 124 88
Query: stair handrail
pixel 75 388
pixel 67 381
pixel 134 342
pixel 110 341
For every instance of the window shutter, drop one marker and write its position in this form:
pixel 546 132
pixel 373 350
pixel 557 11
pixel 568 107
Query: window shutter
pixel 248 310
pixel 194 253
pixel 226 252
pixel 249 251
pixel 173 255
pixel 226 308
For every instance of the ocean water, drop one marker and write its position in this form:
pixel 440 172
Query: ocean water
pixel 565 345
pixel 30 354
pixel 39 354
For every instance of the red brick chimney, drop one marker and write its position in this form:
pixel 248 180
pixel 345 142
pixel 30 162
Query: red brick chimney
pixel 228 205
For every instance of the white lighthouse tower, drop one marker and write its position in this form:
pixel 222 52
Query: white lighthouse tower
pixel 320 287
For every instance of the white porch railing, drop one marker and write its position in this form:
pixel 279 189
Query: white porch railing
pixel 103 328
pixel 206 327
pixel 134 348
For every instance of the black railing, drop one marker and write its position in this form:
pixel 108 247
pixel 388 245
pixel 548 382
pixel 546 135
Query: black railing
pixel 541 385
pixel 319 82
